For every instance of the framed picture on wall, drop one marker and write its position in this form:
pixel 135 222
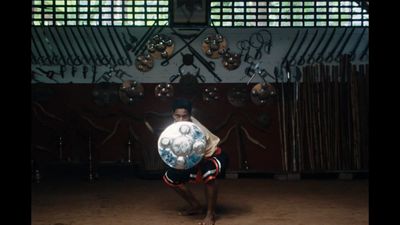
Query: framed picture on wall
pixel 189 12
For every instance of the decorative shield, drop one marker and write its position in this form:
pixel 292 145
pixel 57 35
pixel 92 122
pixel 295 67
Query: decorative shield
pixel 130 91
pixel 214 45
pixel 164 90
pixel 211 94
pixel 160 46
pixel 261 92
pixel 230 60
pixel 182 145
pixel 144 62
pixel 238 95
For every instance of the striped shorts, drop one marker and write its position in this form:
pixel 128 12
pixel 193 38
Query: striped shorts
pixel 208 169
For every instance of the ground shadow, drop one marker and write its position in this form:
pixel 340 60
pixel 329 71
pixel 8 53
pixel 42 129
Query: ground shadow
pixel 232 210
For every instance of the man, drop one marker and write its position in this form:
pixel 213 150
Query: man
pixel 207 170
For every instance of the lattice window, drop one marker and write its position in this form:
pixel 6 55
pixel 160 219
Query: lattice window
pixel 225 13
pixel 99 12
pixel 293 13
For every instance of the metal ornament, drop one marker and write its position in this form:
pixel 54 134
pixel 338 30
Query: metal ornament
pixel 130 91
pixel 211 94
pixel 238 96
pixel 231 60
pixel 144 62
pixel 160 46
pixel 182 145
pixel 261 92
pixel 214 45
pixel 164 90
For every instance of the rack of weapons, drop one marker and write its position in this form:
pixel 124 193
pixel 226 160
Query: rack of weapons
pixel 94 46
pixel 324 118
pixel 74 46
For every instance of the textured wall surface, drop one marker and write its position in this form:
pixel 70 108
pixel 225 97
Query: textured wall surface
pixel 72 112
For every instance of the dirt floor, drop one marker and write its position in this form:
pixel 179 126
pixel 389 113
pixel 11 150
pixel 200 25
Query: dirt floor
pixel 243 201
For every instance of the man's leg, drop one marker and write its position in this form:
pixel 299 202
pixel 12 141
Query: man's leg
pixel 177 180
pixel 211 191
pixel 187 195
pixel 211 168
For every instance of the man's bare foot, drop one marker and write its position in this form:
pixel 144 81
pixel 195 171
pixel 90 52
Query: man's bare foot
pixel 195 210
pixel 208 220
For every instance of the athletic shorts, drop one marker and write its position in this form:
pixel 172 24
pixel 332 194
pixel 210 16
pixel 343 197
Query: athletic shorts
pixel 207 169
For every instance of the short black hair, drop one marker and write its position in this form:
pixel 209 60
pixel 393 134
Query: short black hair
pixel 182 103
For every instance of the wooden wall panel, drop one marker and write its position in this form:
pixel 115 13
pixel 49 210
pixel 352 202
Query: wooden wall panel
pixel 69 111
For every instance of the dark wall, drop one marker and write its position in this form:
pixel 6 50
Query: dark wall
pixel 71 111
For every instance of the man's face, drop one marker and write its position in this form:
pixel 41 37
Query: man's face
pixel 181 115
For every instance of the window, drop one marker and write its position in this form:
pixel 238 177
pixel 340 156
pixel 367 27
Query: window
pixel 234 13
pixel 99 12
pixel 293 13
